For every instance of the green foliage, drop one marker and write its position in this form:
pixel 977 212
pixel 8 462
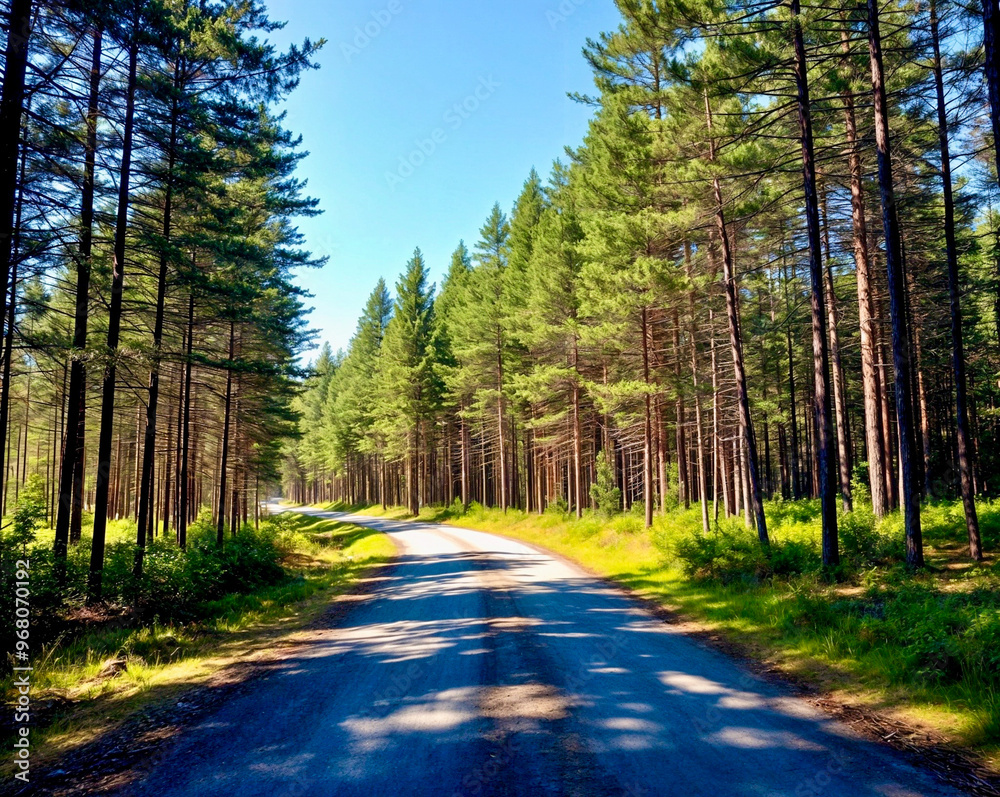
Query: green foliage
pixel 734 554
pixel 605 491
pixel 559 507
pixel 866 543
pixel 175 584
pixel 408 386
pixel 18 564
pixel 28 515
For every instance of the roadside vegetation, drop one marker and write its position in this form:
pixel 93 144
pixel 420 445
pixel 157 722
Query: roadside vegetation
pixel 923 647
pixel 191 614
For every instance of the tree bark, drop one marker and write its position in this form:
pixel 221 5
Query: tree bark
pixel 70 504
pixel 578 432
pixel 152 404
pixel 897 298
pixel 647 437
pixel 226 427
pixel 699 431
pixel 94 584
pixel 962 435
pixel 844 458
pixel 991 35
pixel 825 452
pixel 500 426
pixel 746 425
pixel 11 108
pixel 184 481
pixel 680 425
pixel 870 382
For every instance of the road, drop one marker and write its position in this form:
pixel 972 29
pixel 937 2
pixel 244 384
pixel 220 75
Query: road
pixel 483 667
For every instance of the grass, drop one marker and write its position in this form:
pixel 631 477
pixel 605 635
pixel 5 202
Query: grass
pixel 922 647
pixel 322 558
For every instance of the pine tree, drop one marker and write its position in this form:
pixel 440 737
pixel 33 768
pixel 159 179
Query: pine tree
pixel 408 387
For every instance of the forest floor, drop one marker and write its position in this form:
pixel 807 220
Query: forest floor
pixel 87 687
pixel 918 654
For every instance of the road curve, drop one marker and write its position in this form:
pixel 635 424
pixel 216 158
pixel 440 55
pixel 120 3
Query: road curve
pixel 483 667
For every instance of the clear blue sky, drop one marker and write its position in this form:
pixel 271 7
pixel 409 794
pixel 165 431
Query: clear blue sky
pixel 372 102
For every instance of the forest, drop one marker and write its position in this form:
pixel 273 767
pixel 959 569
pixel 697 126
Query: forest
pixel 152 324
pixel 771 272
pixel 736 351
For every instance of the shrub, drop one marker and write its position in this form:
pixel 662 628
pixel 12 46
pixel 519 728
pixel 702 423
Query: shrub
pixel 860 484
pixel 605 493
pixel 628 524
pixel 864 542
pixel 791 513
pixel 175 584
pixel 734 554
pixel 980 647
pixel 15 541
pixel 558 507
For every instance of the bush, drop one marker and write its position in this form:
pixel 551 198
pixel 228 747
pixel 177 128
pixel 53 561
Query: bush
pixel 734 554
pixel 860 484
pixel 15 546
pixel 865 543
pixel 175 584
pixel 604 493
pixel 558 507
pixel 792 513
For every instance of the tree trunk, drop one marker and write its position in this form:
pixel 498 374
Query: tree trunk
pixel 413 474
pixel 152 404
pixel 227 424
pixel 70 504
pixel 922 410
pixel 825 452
pixel 680 422
pixel 577 433
pixel 114 331
pixel 746 425
pixel 647 433
pixel 699 421
pixel 871 384
pixel 897 298
pixel 500 430
pixel 716 401
pixel 8 360
pixel 793 407
pixel 167 475
pixel 991 35
pixel 11 108
pixel 962 435
pixel 839 381
pixel 184 481
pixel 8 348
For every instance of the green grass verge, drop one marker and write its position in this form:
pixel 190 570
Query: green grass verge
pixel 78 703
pixel 922 647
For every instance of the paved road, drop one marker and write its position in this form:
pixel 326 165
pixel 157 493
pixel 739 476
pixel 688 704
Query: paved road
pixel 482 667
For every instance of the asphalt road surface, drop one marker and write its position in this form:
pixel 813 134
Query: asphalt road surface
pixel 483 667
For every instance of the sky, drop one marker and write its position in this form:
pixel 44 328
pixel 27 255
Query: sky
pixel 423 114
